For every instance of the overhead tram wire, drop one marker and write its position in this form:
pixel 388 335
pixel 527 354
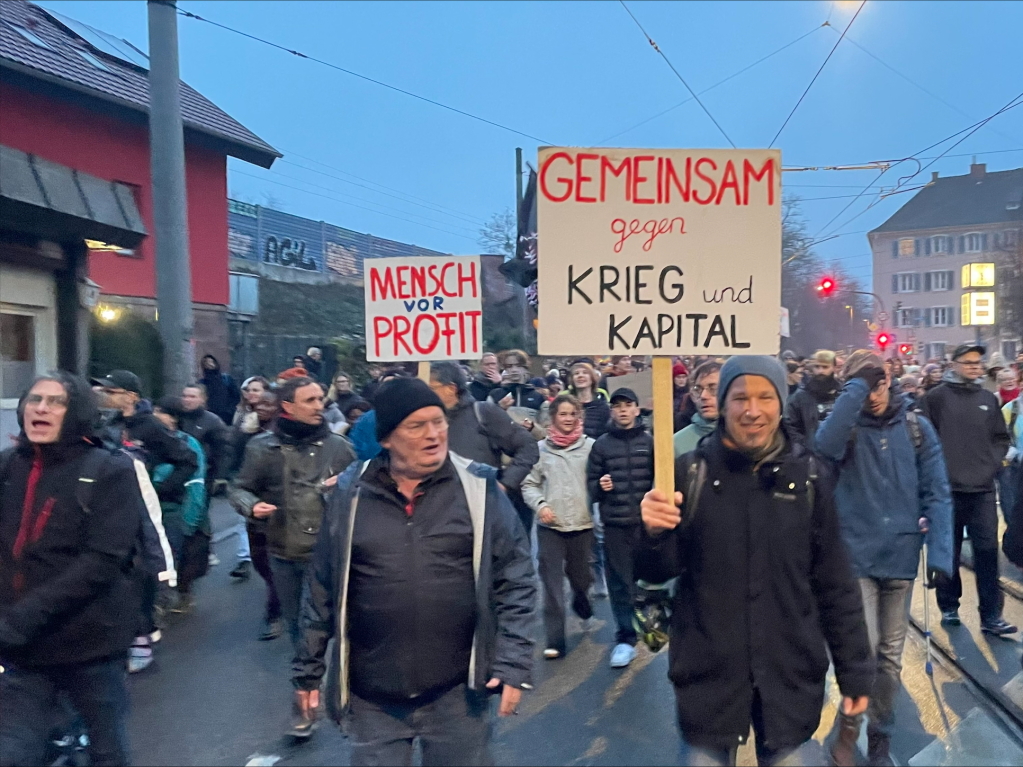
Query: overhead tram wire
pixel 677 74
pixel 826 60
pixel 969 131
pixel 352 204
pixel 456 110
pixel 712 87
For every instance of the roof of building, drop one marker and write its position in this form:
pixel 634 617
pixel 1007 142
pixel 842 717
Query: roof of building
pixel 39 44
pixel 976 198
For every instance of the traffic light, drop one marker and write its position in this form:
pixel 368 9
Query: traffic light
pixel 883 339
pixel 905 349
pixel 826 287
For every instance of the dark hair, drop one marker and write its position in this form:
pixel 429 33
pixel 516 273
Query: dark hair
pixel 172 406
pixel 705 369
pixel 446 373
pixel 82 414
pixel 199 386
pixel 286 391
pixel 563 398
pixel 359 404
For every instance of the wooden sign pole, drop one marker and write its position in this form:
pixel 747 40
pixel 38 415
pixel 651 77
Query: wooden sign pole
pixel 424 371
pixel 664 427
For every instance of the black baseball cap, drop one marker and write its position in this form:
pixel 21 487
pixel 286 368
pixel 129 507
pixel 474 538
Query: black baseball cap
pixel 120 379
pixel 626 394
pixel 964 349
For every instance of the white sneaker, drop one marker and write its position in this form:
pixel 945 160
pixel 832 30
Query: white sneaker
pixel 622 655
pixel 155 637
pixel 140 655
pixel 551 653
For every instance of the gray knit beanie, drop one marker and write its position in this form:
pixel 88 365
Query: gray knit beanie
pixel 752 365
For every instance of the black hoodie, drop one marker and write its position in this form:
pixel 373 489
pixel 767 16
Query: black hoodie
pixel 65 591
pixel 222 393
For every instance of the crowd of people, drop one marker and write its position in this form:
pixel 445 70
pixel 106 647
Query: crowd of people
pixel 415 525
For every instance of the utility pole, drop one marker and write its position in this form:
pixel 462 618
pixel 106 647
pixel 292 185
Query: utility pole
pixel 170 211
pixel 518 182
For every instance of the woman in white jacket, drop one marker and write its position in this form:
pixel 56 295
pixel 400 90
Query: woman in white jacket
pixel 556 491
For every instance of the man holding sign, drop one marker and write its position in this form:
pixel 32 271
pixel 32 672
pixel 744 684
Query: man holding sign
pixel 765 588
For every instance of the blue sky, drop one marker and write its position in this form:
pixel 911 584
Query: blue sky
pixel 578 73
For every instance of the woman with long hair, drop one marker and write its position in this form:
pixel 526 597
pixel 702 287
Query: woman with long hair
pixel 583 384
pixel 245 414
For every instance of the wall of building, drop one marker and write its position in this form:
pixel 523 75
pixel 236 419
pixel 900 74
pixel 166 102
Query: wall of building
pixel 87 140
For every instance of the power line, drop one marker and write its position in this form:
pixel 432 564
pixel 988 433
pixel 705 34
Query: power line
pixel 963 154
pixel 395 88
pixel 712 87
pixel 808 87
pixel 352 204
pixel 677 74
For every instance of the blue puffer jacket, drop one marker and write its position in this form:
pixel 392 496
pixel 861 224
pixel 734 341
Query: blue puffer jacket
pixel 885 484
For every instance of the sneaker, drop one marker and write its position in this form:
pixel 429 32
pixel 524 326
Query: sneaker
pixel 214 561
pixel 140 655
pixel 552 653
pixel 272 630
pixel 950 618
pixel 155 637
pixel 998 627
pixel 622 655
pixel 599 588
pixel 301 725
pixel 184 605
pixel 242 570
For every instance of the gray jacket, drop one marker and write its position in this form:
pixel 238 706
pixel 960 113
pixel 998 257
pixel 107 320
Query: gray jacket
pixel 290 475
pixel 483 432
pixel 559 480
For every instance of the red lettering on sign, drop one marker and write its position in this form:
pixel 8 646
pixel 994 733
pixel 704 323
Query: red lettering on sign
pixel 471 278
pixel 671 177
pixel 566 181
pixel 606 166
pixel 748 172
pixel 381 329
pixel 638 178
pixel 401 328
pixel 729 181
pixel 580 179
pixel 713 184
pixel 421 320
pixel 385 286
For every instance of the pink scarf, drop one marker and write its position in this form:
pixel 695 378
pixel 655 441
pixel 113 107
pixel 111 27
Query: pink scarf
pixel 564 440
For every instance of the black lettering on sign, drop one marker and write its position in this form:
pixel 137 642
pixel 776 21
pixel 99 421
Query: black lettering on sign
pixel 287 252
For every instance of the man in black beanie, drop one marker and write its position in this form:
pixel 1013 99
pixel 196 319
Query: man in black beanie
pixel 422 574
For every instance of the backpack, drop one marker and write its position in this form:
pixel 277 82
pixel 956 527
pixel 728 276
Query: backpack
pixel 916 434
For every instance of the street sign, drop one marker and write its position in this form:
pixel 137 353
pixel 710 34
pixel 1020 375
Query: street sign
pixel 882 317
pixel 423 308
pixel 662 252
pixel 978 308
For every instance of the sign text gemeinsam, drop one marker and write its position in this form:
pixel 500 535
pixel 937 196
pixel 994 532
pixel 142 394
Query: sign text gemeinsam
pixel 659 251
pixel 423 308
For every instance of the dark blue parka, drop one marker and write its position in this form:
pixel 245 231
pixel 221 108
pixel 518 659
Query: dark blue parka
pixel 885 485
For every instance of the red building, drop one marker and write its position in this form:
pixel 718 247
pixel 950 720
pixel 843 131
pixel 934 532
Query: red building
pixel 68 99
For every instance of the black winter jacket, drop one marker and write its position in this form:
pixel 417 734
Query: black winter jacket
pixel 159 446
pixel 628 456
pixel 973 433
pixel 596 416
pixel 66 594
pixel 765 589
pixel 215 438
pixel 487 438
pixel 505 589
pixel 289 473
pixel 805 410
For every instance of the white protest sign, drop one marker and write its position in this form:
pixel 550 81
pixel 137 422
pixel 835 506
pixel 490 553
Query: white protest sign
pixel 659 251
pixel 423 308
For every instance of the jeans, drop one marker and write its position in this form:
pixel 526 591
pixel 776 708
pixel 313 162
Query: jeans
pixel 886 607
pixel 977 513
pixel 453 728
pixel 1008 479
pixel 564 554
pixel 788 756
pixel 239 528
pixel 598 549
pixel 288 579
pixel 619 551
pixel 28 700
pixel 261 564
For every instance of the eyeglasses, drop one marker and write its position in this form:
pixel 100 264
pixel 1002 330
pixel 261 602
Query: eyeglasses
pixel 53 401
pixel 418 429
pixel 698 390
pixel 970 363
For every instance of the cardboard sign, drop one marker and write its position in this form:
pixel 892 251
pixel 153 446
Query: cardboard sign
pixel 659 251
pixel 642 383
pixel 423 309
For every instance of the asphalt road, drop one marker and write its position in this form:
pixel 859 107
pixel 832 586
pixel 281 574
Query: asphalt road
pixel 217 696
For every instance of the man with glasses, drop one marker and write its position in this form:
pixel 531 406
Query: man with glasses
pixel 423 577
pixel 704 393
pixel 284 479
pixel 975 441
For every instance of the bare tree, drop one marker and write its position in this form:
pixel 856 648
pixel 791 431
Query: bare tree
pixel 499 233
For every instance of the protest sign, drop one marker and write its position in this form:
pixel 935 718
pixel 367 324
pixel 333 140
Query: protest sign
pixel 659 251
pixel 423 309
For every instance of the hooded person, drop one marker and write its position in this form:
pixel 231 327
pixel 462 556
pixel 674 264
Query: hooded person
pixel 68 601
pixel 813 401
pixel 222 393
pixel 765 591
pixel 684 407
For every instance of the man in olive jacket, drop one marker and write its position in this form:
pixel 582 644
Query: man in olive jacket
pixel 765 588
pixel 423 577
pixel 283 482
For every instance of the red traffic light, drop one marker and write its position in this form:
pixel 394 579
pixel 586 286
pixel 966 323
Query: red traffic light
pixel 883 339
pixel 905 349
pixel 826 286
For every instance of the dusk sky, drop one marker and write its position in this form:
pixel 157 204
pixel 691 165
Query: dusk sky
pixel 583 74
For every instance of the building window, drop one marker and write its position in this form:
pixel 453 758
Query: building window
pixel 906 282
pixel 943 280
pixel 244 293
pixel 940 317
pixel 907 247
pixel 976 242
pixel 32 37
pixel 936 350
pixel 93 60
pixel 17 353
pixel 1010 238
pixel 941 244
pixel 905 318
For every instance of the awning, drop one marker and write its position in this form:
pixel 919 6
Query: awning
pixel 42 198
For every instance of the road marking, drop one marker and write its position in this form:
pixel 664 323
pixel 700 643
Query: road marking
pixel 262 760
